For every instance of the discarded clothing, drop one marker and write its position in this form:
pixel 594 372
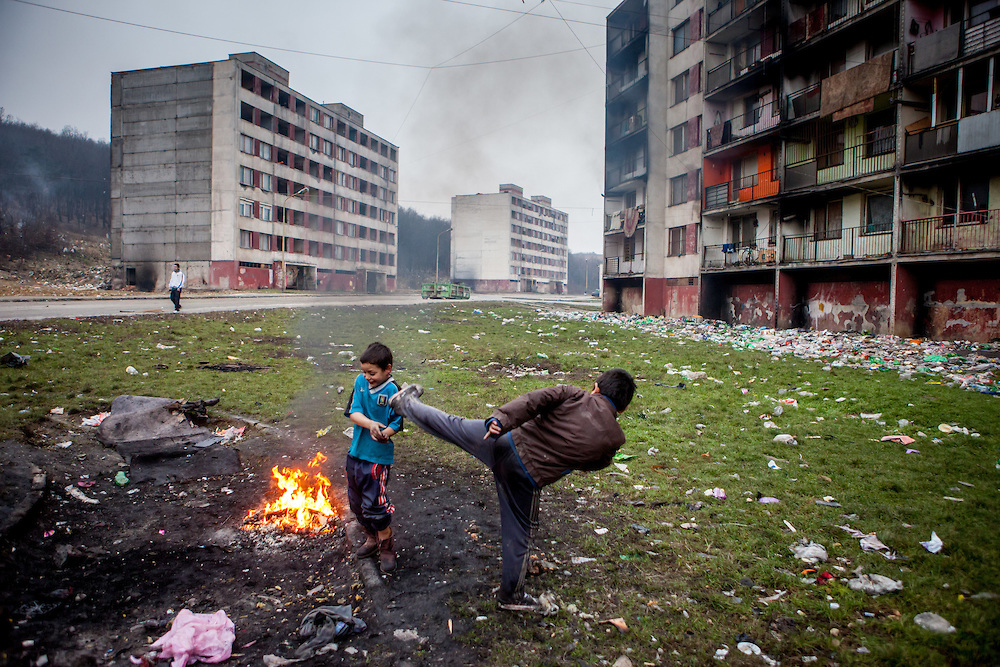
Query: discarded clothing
pixel 326 625
pixel 874 584
pixel 197 637
pixel 15 360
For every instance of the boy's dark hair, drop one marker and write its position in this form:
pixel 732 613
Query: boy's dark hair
pixel 377 354
pixel 618 386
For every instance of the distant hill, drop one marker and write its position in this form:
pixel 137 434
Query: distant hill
pixel 50 182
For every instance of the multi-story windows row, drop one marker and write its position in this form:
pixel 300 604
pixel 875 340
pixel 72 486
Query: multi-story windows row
pixel 288 100
pixel 251 240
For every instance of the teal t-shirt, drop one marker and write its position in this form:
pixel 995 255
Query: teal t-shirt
pixel 373 402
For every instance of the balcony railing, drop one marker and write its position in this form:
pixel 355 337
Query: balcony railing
pixel 725 13
pixel 955 232
pixel 625 81
pixel 619 266
pixel 846 243
pixel 981 32
pixel 735 255
pixel 761 119
pixel 804 102
pixel 826 16
pixel 626 36
pixel 627 126
pixel 744 62
pixel 934 142
pixel 867 153
pixel 742 189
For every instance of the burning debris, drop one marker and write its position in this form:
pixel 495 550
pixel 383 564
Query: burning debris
pixel 304 506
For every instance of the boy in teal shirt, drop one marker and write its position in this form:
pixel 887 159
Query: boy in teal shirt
pixel 371 455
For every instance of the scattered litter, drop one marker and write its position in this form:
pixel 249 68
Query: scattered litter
pixel 934 544
pixel 81 496
pixel 772 465
pixel 271 660
pixel 547 601
pixel 874 584
pixel 600 531
pixel 717 492
pixel 95 420
pixel 324 625
pixel 809 552
pixel 323 431
pixel 639 528
pixel 953 499
pixel 872 543
pixel 748 648
pixel 767 499
pixel 828 503
pixel 931 621
pixel 912 451
pixel 784 439
pixel 580 560
pixel 197 637
pixel 15 360
pixel 721 653
pixel 871 415
pixel 408 635
pixel 63 445
pixel 230 434
pixel 789 526
pixel 56 411
pixel 618 623
pixel 120 478
pixel 131 370
pixel 773 598
pixel 901 439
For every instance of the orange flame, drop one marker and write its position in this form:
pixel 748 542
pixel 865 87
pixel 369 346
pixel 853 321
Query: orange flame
pixel 304 504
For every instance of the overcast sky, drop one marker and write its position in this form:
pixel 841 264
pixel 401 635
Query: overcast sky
pixel 474 92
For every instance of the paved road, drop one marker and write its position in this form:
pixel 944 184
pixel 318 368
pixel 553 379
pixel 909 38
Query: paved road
pixel 23 308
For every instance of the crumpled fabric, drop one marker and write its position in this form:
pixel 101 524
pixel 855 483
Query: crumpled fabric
pixel 325 625
pixel 193 637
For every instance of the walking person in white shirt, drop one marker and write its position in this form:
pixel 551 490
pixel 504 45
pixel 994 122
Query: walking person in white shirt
pixel 176 285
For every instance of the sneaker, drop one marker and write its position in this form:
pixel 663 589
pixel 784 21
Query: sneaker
pixel 524 602
pixel 405 392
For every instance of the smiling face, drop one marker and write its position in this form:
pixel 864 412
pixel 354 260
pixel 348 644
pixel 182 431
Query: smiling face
pixel 374 374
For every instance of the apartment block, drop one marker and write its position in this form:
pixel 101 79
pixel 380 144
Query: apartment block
pixel 508 242
pixel 247 183
pixel 849 178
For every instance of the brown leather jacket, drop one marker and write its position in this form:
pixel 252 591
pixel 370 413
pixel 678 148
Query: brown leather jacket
pixel 560 429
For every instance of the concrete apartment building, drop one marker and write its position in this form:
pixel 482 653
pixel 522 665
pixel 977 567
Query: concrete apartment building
pixel 845 164
pixel 247 183
pixel 506 242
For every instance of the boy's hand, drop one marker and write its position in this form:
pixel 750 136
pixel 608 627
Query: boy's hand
pixel 376 430
pixel 492 430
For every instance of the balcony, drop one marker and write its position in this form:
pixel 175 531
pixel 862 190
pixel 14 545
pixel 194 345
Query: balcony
pixel 968 231
pixel 845 244
pixel 742 189
pixel 734 255
pixel 744 62
pixel 759 120
pixel 725 13
pixel 635 168
pixel 627 126
pixel 627 80
pixel 615 267
pixel 626 37
pixel 626 219
pixel 826 17
pixel 865 153
pixel 966 135
pixel 804 102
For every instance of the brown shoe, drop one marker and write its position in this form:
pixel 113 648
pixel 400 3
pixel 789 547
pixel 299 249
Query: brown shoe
pixel 386 553
pixel 369 548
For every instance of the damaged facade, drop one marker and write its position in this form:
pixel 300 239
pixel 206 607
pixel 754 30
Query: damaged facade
pixel 507 242
pixel 830 165
pixel 222 167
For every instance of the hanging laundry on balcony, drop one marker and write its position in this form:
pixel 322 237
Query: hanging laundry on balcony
pixel 632 219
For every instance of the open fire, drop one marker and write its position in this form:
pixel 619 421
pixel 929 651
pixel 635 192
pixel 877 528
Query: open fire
pixel 304 505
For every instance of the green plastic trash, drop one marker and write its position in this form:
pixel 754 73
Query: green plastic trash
pixel 121 479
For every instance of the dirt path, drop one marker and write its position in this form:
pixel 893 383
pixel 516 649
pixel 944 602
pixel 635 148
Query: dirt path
pixel 90 584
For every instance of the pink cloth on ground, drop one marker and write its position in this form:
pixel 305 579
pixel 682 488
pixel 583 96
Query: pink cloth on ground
pixel 204 637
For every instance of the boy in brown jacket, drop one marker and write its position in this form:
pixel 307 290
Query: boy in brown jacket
pixel 529 443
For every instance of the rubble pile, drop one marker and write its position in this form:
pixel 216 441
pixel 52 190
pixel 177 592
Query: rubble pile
pixel 972 366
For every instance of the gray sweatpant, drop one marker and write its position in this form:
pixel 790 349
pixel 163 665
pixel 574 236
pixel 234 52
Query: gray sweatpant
pixel 517 492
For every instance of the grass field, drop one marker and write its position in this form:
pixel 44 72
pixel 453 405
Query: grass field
pixel 689 574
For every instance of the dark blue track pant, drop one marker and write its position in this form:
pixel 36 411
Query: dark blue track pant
pixel 366 493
